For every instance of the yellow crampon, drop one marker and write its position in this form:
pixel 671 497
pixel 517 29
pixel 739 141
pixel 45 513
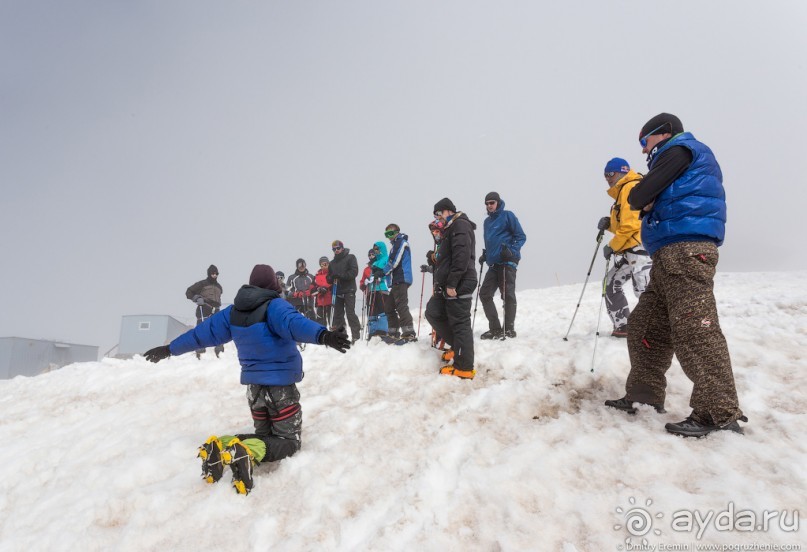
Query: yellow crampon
pixel 240 459
pixel 211 454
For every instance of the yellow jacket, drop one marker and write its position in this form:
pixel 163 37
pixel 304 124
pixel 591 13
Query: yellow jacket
pixel 625 223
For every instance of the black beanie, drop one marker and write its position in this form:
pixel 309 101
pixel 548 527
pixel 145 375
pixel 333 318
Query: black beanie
pixel 323 260
pixel 444 204
pixel 667 123
pixel 299 262
pixel 212 270
pixel 493 196
pixel 263 276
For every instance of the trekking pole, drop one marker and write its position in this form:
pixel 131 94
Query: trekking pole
pixel 420 308
pixel 599 315
pixel 594 258
pixel 333 301
pixel 476 301
pixel 504 301
pixel 363 295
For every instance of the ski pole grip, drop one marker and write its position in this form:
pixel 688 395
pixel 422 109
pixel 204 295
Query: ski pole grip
pixel 601 234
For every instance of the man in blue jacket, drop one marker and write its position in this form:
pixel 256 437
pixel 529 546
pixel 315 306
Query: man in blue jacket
pixel 503 241
pixel 265 329
pixel 683 206
pixel 399 266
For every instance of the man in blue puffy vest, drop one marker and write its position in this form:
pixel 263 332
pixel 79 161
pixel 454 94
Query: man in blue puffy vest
pixel 683 209
pixel 266 330
pixel 503 241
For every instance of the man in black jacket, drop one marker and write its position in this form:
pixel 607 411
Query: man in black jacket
pixel 449 309
pixel 207 296
pixel 342 273
pixel 300 286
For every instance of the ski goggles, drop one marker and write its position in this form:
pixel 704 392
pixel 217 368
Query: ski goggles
pixel 389 234
pixel 643 139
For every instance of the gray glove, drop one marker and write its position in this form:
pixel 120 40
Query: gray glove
pixel 604 224
pixel 200 301
pixel 607 252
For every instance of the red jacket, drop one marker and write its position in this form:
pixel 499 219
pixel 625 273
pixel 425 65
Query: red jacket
pixel 320 281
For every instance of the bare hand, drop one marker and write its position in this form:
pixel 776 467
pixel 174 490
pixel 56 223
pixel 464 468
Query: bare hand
pixel 451 292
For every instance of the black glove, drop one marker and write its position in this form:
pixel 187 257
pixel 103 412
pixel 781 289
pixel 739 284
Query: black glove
pixel 483 257
pixel 607 252
pixel 158 353
pixel 507 255
pixel 604 224
pixel 426 268
pixel 378 273
pixel 323 289
pixel 335 340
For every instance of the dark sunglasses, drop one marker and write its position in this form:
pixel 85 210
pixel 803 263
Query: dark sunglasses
pixel 490 202
pixel 610 174
pixel 336 248
pixel 643 139
pixel 438 214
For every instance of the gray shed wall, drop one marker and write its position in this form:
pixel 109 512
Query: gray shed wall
pixel 141 332
pixel 20 356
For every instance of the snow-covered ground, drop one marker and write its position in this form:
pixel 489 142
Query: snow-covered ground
pixel 102 456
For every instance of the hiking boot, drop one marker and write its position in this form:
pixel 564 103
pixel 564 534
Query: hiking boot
pixel 492 334
pixel 627 406
pixel 449 370
pixel 210 453
pixel 510 334
pixel 447 355
pixel 620 332
pixel 693 428
pixel 408 336
pixel 239 458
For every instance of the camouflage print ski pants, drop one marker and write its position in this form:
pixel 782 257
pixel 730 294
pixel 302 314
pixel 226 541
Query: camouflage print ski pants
pixel 278 420
pixel 628 265
pixel 677 314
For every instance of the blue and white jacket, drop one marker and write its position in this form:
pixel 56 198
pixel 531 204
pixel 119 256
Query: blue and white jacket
pixel 400 260
pixel 265 329
pixel 693 207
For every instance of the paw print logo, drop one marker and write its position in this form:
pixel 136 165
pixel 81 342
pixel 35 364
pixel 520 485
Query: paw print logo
pixel 638 521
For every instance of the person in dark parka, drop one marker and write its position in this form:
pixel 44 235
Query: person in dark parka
pixel 206 294
pixel 449 309
pixel 342 273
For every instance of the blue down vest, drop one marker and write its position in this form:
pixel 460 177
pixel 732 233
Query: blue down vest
pixel 693 207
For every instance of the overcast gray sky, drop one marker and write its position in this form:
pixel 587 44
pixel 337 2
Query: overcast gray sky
pixel 142 141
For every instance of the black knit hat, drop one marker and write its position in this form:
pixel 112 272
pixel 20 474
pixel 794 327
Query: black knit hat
pixel 212 270
pixel 323 260
pixel 263 276
pixel 493 196
pixel 661 124
pixel 444 204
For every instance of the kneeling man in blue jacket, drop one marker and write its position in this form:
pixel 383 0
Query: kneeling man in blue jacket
pixel 266 330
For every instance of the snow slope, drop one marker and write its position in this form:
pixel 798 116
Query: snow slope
pixel 102 456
